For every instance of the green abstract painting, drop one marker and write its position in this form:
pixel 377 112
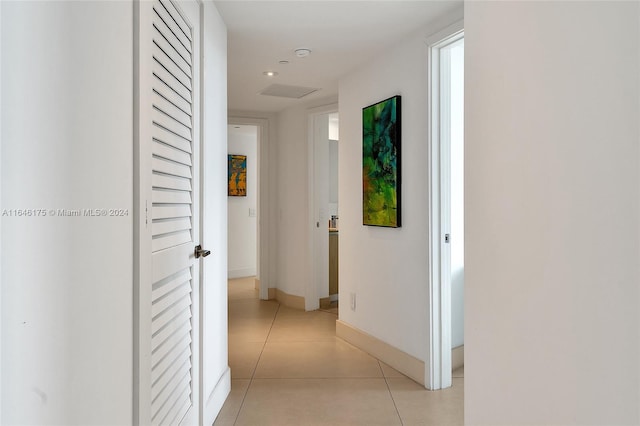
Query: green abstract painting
pixel 381 163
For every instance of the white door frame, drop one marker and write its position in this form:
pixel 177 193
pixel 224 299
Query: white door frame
pixel 263 213
pixel 312 301
pixel 438 371
pixel 0 216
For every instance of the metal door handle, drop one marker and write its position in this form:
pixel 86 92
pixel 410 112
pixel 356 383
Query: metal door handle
pixel 199 252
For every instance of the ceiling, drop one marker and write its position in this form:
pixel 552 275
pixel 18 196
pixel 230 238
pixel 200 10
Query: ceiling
pixel 340 34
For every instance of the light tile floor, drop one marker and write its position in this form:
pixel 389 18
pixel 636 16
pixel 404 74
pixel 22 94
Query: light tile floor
pixel 289 368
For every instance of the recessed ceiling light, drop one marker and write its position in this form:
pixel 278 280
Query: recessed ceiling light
pixel 270 73
pixel 302 52
pixel 283 62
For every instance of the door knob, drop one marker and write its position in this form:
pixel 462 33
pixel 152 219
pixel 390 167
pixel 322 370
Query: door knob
pixel 199 252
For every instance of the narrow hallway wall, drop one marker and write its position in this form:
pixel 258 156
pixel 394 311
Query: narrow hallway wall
pixel 67 277
pixel 553 194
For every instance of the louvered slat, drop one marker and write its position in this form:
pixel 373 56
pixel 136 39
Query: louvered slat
pixel 171 67
pixel 164 52
pixel 162 386
pixel 166 354
pixel 168 27
pixel 180 413
pixel 169 196
pixel 165 304
pixel 170 225
pixel 185 30
pixel 168 152
pixel 180 20
pixel 165 32
pixel 163 44
pixel 163 406
pixel 171 110
pixel 170 80
pixel 165 312
pixel 165 336
pixel 166 212
pixel 170 123
pixel 172 355
pixel 163 285
pixel 170 240
pixel 160 180
pixel 165 90
pixel 170 167
pixel 164 135
pixel 171 413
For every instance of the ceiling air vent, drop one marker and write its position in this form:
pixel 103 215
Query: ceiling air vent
pixel 284 91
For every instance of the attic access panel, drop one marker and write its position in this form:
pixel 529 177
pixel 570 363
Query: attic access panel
pixel 286 91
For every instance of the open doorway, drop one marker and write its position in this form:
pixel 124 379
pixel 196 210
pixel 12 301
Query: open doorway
pixel 258 213
pixel 243 201
pixel 447 207
pixel 323 290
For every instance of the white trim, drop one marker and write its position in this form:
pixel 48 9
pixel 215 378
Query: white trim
pixel 241 273
pixel 407 364
pixel 440 37
pixel 457 358
pixel 141 233
pixel 1 259
pixel 215 401
pixel 264 220
pixel 438 369
pixel 312 302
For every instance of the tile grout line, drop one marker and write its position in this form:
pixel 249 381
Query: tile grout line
pixel 256 367
pixel 390 393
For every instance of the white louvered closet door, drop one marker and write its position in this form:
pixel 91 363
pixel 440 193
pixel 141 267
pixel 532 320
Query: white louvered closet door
pixel 169 142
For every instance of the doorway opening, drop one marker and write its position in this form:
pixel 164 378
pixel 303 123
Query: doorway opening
pixel 446 284
pixel 258 213
pixel 323 289
pixel 243 201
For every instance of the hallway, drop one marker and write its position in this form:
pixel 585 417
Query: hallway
pixel 289 368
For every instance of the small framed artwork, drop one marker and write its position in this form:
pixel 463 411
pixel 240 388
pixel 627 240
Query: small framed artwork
pixel 381 172
pixel 237 175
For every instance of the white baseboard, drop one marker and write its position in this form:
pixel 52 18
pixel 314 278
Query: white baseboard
pixel 241 273
pixel 407 364
pixel 216 400
pixel 295 302
pixel 457 357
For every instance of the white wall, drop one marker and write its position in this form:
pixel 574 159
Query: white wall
pixel 243 227
pixel 293 261
pixel 292 201
pixel 1 207
pixel 383 264
pixel 67 144
pixel 552 221
pixel 457 194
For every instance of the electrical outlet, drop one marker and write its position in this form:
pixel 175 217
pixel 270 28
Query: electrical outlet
pixel 252 212
pixel 353 301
